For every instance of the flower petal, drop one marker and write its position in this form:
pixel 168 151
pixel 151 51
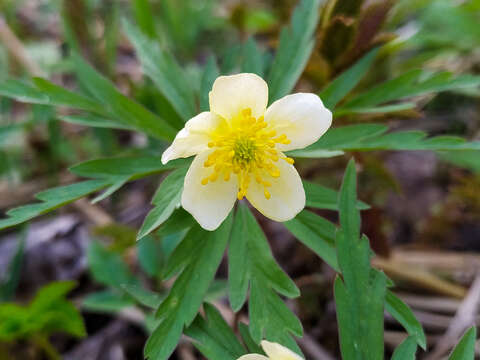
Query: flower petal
pixel 232 94
pixel 287 194
pixel 277 351
pixel 302 117
pixel 252 357
pixel 193 138
pixel 209 204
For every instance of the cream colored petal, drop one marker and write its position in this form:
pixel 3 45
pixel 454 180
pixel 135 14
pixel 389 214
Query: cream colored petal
pixel 209 204
pixel 302 117
pixel 252 357
pixel 232 94
pixel 287 194
pixel 278 352
pixel 193 138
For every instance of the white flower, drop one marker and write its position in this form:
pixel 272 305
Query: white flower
pixel 274 351
pixel 239 147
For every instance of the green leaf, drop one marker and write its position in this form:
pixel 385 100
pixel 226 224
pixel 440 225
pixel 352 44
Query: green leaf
pixel 186 296
pixel 413 83
pixel 143 296
pixel 406 350
pixel 250 258
pixel 50 312
pixel 466 159
pixel 106 301
pixel 131 166
pixel 317 233
pixel 51 200
pixel 369 137
pixel 23 92
pixel 120 106
pixel 9 285
pixel 161 67
pixel 144 16
pixel 253 59
pixel 209 75
pixel 294 49
pixel 60 96
pixel 347 202
pixel 270 318
pixel 321 197
pixel 213 337
pixel 360 296
pixel 107 267
pixel 465 349
pixel 94 121
pixel 251 262
pixel 252 346
pixel 404 315
pixel 345 82
pixel 117 183
pixel 150 254
pixel 375 110
pixel 166 200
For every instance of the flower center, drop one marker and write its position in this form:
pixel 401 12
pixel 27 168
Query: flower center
pixel 247 148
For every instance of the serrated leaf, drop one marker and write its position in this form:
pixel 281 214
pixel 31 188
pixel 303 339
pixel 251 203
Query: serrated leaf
pixel 213 337
pixel 161 67
pixel 406 350
pixel 360 316
pixel 209 75
pixel 251 263
pixel 270 318
pixel 120 106
pixel 294 49
pixel 346 81
pixel 321 197
pixel 166 200
pixel 52 199
pixel 250 258
pixel 186 296
pixel 465 349
pixel 404 315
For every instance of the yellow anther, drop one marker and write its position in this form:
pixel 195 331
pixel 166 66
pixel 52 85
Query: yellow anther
pixel 246 148
pixel 247 112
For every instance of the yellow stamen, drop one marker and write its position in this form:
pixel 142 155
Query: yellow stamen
pixel 248 149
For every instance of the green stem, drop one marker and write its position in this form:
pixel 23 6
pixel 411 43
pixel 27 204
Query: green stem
pixel 43 343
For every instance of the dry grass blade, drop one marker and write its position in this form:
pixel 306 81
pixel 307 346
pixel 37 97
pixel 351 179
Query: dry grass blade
pixel 464 318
